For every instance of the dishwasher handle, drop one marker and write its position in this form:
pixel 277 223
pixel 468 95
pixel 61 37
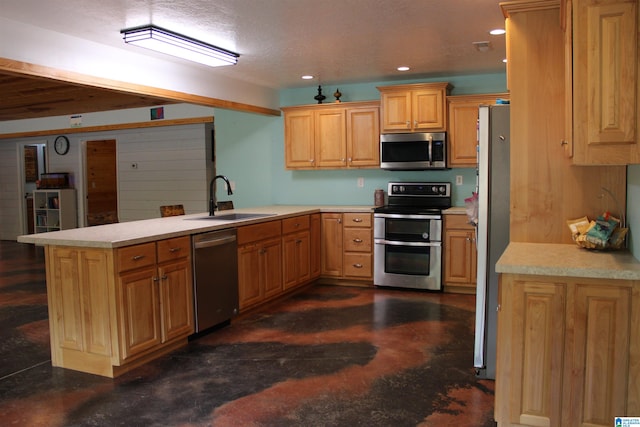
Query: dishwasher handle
pixel 214 241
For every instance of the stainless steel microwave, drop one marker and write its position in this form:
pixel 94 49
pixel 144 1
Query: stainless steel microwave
pixel 413 151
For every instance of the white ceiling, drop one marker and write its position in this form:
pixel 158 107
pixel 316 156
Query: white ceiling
pixel 338 41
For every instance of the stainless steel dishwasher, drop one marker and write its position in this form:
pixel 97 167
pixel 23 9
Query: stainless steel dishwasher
pixel 215 287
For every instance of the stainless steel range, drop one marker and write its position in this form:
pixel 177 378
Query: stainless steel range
pixel 408 235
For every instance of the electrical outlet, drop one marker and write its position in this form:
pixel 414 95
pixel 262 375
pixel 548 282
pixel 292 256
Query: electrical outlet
pixel 360 182
pixel 458 179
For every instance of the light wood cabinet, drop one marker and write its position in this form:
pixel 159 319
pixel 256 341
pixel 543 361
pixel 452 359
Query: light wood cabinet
pixel 567 351
pixel 315 231
pixel 332 136
pixel 605 73
pixel 414 107
pixel 114 309
pixel 535 53
pixel 259 262
pixel 155 292
pixel 54 210
pixel 347 246
pixel 461 255
pixel 296 249
pixel 462 127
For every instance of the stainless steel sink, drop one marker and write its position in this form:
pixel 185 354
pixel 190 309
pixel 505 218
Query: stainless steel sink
pixel 235 216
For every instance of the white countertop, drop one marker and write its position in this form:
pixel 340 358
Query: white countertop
pixel 548 259
pixel 149 230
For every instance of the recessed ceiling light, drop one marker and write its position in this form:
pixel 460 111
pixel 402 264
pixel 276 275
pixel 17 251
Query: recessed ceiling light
pixel 307 77
pixel 497 32
pixel 404 68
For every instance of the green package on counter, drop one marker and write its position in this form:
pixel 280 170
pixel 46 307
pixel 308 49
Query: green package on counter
pixel 599 234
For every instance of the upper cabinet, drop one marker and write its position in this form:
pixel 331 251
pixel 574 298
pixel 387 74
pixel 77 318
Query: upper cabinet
pixel 332 136
pixel 414 107
pixel 462 130
pixel 604 38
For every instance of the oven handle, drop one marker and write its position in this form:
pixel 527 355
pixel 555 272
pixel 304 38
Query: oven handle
pixel 407 216
pixel 396 243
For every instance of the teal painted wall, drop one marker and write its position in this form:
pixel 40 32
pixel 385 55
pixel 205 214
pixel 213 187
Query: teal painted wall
pixel 250 150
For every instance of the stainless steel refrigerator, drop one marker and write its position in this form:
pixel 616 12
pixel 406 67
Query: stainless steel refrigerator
pixel 492 231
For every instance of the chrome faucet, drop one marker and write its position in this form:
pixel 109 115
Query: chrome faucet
pixel 212 194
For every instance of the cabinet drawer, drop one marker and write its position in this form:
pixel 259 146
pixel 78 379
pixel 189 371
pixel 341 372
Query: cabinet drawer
pixel 457 221
pixel 255 232
pixel 291 225
pixel 357 240
pixel 357 219
pixel 357 265
pixel 171 249
pixel 136 256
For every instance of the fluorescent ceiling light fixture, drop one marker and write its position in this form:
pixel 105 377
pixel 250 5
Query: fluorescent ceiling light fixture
pixel 403 68
pixel 170 43
pixel 307 77
pixel 497 32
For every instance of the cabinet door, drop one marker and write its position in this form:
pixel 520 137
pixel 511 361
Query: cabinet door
pixel 363 137
pixel 315 245
pixel 531 327
pixel 249 290
pixel 296 267
pixel 606 62
pixel 331 245
pixel 427 107
pixel 299 139
pixel 458 256
pixel 330 138
pixel 270 253
pixel 602 318
pixel 176 299
pixel 396 111
pixel 140 311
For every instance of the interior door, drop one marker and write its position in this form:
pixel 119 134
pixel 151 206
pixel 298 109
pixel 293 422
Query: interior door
pixel 102 182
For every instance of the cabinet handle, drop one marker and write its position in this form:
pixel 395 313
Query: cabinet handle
pixel 137 257
pixel 563 142
pixel 298 241
pixel 164 277
pixel 339 220
pixel 357 265
pixel 297 225
pixel 408 124
pixel 415 123
pixel 357 240
pixel 357 219
pixel 311 161
pixel 262 251
pixel 155 279
pixel 342 160
pixel 349 159
pixel 174 249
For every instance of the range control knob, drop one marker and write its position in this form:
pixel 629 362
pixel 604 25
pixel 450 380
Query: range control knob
pixel 443 189
pixel 434 189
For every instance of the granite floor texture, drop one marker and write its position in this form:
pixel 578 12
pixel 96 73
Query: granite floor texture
pixel 328 356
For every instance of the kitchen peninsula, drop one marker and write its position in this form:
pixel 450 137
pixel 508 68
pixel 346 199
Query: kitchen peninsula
pixel 120 295
pixel 568 336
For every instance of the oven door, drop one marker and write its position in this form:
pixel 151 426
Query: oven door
pixel 408 264
pixel 408 228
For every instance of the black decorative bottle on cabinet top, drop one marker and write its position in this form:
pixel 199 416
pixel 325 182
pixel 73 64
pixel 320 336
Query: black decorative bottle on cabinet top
pixel 337 94
pixel 319 97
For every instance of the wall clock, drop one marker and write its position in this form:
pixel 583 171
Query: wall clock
pixel 61 145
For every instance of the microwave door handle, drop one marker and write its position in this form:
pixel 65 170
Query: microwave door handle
pixel 430 150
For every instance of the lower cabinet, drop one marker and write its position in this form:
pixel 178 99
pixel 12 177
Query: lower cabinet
pixel 347 246
pixel 259 262
pixel 461 254
pixel 275 257
pixel 296 246
pixel 114 309
pixel 568 351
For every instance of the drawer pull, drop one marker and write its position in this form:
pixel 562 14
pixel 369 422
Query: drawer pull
pixel 357 265
pixel 164 277
pixel 155 279
pixel 137 257
pixel 357 219
pixel 357 240
pixel 175 249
